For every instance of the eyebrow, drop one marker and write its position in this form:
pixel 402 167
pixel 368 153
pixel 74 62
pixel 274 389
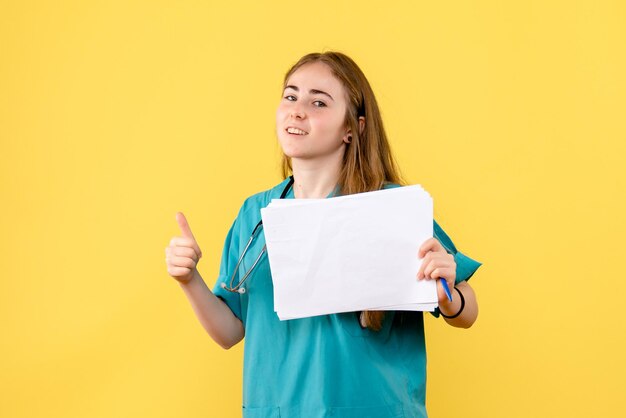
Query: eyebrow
pixel 312 91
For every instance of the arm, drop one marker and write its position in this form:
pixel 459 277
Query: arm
pixel 214 315
pixel 470 312
pixel 437 263
pixel 182 257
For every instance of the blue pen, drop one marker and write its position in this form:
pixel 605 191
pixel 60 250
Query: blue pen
pixel 446 289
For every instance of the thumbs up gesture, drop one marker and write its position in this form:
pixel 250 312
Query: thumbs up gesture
pixel 183 253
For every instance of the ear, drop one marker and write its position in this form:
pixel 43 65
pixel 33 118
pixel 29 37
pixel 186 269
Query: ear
pixel 348 137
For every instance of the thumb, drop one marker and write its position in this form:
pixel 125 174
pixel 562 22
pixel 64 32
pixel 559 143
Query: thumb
pixel 184 225
pixel 186 230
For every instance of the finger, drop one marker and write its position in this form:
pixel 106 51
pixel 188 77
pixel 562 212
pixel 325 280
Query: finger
pixel 181 242
pixel 451 283
pixel 432 265
pixel 177 261
pixel 431 272
pixel 441 294
pixel 431 244
pixel 178 271
pixel 427 258
pixel 443 273
pixel 184 252
pixel 184 225
pixel 186 242
pixel 186 229
pixel 433 260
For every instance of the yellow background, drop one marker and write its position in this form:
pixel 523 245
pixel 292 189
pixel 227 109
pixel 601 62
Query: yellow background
pixel 115 115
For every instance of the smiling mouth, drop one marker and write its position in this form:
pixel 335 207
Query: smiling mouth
pixel 296 132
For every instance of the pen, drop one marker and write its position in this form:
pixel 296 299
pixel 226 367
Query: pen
pixel 446 289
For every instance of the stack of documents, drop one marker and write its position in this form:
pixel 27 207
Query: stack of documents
pixel 349 253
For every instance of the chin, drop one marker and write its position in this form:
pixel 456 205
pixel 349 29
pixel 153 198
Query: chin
pixel 291 150
pixel 297 154
pixel 294 154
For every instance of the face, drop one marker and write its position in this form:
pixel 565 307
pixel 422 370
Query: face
pixel 314 102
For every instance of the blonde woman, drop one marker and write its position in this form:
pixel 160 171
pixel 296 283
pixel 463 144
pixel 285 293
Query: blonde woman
pixel 355 364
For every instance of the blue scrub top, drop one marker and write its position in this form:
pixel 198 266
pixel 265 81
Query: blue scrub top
pixel 327 365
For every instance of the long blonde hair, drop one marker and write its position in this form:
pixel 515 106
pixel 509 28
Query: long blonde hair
pixel 368 162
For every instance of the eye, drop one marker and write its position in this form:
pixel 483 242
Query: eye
pixel 288 96
pixel 322 103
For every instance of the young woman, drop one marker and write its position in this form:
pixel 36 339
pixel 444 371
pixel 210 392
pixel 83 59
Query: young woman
pixel 355 364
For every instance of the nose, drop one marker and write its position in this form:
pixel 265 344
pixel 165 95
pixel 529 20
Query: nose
pixel 296 112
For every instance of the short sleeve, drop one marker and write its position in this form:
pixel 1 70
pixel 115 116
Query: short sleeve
pixel 465 266
pixel 230 256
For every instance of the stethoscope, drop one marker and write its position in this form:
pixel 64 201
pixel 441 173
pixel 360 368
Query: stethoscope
pixel 239 287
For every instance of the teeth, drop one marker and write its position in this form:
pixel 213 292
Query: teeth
pixel 296 131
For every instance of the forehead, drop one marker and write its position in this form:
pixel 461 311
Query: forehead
pixel 318 76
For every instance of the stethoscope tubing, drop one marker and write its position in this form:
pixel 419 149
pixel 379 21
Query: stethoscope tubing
pixel 239 287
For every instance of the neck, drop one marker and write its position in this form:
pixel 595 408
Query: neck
pixel 314 179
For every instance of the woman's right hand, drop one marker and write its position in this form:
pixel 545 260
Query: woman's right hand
pixel 183 253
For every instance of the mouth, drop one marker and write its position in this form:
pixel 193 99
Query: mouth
pixel 295 131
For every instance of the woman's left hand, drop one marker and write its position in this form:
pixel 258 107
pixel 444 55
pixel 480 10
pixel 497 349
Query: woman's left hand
pixel 437 263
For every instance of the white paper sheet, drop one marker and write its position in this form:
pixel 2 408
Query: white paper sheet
pixel 349 253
